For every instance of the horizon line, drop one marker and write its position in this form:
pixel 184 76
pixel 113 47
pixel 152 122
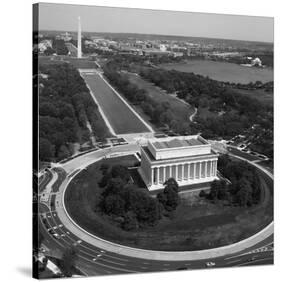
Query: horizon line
pixel 185 36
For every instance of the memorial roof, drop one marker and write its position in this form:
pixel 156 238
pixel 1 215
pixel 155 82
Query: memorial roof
pixel 177 143
pixel 178 159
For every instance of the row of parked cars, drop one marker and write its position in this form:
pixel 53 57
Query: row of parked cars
pixel 51 230
pixel 241 144
pixel 114 142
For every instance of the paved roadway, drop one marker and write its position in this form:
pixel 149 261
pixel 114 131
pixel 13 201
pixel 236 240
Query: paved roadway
pixel 95 261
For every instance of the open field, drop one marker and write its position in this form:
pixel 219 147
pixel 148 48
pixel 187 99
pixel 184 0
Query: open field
pixel 222 71
pixel 122 119
pixel 196 224
pixel 182 110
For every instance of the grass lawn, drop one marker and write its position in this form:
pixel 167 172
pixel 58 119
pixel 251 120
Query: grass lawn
pixel 196 224
pixel 182 110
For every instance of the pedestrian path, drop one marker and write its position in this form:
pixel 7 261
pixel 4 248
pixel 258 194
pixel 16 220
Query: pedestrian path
pixel 44 197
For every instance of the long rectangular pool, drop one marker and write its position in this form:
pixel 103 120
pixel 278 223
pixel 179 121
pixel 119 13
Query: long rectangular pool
pixel 121 118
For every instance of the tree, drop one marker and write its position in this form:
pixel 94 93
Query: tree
pixel 48 109
pixel 218 190
pixel 172 183
pixel 244 194
pixel 145 207
pixel 172 198
pixel 63 152
pixel 169 197
pixel 121 172
pixel 68 261
pixel 202 194
pixel 114 205
pixel 162 198
pixel 105 179
pixel 66 110
pixel 114 186
pixel 130 221
pixel 46 149
pixel 104 168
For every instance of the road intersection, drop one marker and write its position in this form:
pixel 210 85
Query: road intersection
pixel 101 258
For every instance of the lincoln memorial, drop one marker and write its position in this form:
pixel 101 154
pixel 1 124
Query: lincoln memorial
pixel 187 159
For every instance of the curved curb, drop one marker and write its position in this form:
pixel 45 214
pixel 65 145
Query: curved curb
pixel 160 255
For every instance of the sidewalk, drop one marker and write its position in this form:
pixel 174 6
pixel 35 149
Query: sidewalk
pixel 44 196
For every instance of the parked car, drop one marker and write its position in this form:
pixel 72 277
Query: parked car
pixel 210 264
pixel 242 146
pixel 263 157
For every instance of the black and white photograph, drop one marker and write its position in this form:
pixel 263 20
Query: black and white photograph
pixel 153 146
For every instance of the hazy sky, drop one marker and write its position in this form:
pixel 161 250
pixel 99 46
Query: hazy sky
pixel 105 19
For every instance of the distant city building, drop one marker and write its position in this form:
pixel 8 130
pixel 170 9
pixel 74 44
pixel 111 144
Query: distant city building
pixel 44 45
pixel 187 159
pixel 130 50
pixel 256 62
pixel 90 43
pixel 177 54
pixel 155 52
pixel 162 47
pixel 226 54
pixel 66 36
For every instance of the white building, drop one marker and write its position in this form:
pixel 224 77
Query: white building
pixel 162 47
pixel 44 45
pixel 187 159
pixel 256 62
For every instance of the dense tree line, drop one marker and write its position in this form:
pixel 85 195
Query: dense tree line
pixel 233 112
pixel 65 108
pixel 130 205
pixel 267 86
pixel 244 188
pixel 60 47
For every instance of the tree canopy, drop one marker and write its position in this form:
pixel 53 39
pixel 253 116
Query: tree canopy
pixel 243 188
pixel 65 108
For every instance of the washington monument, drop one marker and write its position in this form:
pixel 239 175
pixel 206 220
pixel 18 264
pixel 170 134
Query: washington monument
pixel 79 50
